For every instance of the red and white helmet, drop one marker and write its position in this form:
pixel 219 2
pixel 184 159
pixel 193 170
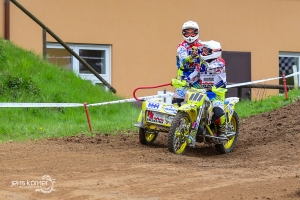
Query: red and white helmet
pixel 190 31
pixel 211 50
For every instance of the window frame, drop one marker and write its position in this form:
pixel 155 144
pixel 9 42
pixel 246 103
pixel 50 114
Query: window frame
pixel 75 62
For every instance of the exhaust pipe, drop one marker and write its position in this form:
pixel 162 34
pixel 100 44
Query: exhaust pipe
pixel 229 134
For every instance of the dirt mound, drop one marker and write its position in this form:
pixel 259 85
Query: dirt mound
pixel 281 124
pixel 264 165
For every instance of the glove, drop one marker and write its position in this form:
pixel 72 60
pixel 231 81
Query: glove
pixel 191 57
pixel 188 80
pixel 188 59
pixel 194 52
pixel 179 83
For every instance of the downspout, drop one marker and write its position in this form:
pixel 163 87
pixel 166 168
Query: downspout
pixel 7 20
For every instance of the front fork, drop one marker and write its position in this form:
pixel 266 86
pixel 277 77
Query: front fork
pixel 208 116
pixel 195 125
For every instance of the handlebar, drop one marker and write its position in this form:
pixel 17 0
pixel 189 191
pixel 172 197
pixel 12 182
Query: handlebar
pixel 147 87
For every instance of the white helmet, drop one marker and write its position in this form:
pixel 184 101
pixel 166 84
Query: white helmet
pixel 190 25
pixel 211 50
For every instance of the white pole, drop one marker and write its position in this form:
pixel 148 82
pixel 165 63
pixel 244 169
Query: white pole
pixel 295 77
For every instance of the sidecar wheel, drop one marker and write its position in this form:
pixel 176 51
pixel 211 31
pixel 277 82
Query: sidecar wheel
pixel 179 129
pixel 228 146
pixel 147 138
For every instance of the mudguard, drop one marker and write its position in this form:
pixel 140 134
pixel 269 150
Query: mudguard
pixel 229 106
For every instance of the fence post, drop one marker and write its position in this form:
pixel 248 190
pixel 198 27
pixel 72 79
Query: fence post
pixel 295 70
pixel 88 116
pixel 44 44
pixel 284 86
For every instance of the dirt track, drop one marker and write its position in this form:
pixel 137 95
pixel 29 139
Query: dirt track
pixel 264 165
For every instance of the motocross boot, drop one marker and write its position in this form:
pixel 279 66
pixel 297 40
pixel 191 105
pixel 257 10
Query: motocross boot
pixel 221 126
pixel 221 131
pixel 220 121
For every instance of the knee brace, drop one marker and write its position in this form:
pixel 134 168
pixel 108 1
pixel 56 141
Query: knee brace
pixel 218 116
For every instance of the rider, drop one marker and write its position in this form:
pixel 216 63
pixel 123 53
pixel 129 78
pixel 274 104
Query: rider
pixel 212 73
pixel 188 59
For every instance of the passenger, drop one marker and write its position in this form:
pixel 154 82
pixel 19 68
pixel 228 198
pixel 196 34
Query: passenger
pixel 212 73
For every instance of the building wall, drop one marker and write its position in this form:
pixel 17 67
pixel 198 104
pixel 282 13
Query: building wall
pixel 144 34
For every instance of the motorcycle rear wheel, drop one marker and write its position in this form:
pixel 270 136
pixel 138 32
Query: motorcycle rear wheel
pixel 180 128
pixel 146 137
pixel 229 145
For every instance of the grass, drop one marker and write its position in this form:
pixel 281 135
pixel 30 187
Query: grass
pixel 27 77
pixel 246 108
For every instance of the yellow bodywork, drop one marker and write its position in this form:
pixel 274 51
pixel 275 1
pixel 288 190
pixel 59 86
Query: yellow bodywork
pixel 157 115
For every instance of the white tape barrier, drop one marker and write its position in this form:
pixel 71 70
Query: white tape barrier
pixel 296 73
pixel 36 105
pixel 259 81
pixel 40 105
pixel 130 100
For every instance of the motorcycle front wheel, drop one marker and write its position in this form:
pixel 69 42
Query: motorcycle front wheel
pixel 147 137
pixel 228 146
pixel 179 130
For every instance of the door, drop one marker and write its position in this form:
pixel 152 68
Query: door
pixel 238 70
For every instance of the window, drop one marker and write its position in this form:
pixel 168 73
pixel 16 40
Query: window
pixel 97 56
pixel 60 57
pixel 286 62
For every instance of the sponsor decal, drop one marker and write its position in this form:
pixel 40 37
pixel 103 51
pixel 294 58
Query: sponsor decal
pixel 180 93
pixel 230 109
pixel 155 117
pixel 153 106
pixel 208 79
pixel 218 104
pixel 182 54
pixel 181 50
pixel 170 109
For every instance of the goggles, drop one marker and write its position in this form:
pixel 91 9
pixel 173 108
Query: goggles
pixel 190 32
pixel 206 51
